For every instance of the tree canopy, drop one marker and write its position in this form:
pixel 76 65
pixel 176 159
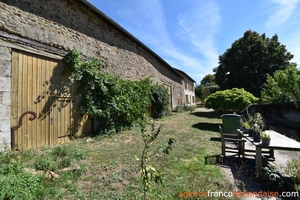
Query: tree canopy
pixel 284 86
pixel 249 60
pixel 208 80
pixel 207 86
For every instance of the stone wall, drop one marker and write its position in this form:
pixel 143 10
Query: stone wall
pixel 284 118
pixel 5 63
pixel 54 27
pixel 70 24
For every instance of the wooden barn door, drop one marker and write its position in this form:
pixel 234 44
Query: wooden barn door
pixel 38 86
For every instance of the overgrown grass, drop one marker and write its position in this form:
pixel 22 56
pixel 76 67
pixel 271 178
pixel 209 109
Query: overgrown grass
pixel 47 173
pixel 106 167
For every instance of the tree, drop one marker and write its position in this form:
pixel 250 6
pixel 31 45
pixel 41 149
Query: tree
pixel 284 86
pixel 208 80
pixel 249 60
pixel 207 86
pixel 234 100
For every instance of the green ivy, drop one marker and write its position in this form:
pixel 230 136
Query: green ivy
pixel 116 103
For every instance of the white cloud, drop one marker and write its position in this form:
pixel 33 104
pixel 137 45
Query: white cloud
pixel 282 12
pixel 145 20
pixel 197 25
pixel 200 26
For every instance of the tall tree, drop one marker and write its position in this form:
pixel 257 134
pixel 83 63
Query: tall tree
pixel 249 60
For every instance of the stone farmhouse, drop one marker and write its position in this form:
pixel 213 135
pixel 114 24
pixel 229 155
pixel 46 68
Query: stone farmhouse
pixel 188 89
pixel 35 35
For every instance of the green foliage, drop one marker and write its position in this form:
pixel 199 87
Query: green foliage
pixel 257 121
pixel 208 80
pixel 189 108
pixel 207 86
pixel 18 184
pixel 265 135
pixel 19 181
pixel 148 173
pixel 293 170
pixel 271 174
pixel 160 101
pixel 234 100
pixel 15 183
pixel 283 87
pixel 60 157
pixel 179 109
pixel 204 91
pixel 249 60
pixel 116 103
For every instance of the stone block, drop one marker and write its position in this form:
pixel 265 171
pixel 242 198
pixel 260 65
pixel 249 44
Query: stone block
pixel 5 98
pixel 5 140
pixel 5 125
pixel 4 84
pixel 4 112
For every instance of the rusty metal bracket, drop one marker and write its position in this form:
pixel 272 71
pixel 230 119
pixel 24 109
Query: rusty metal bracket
pixel 12 130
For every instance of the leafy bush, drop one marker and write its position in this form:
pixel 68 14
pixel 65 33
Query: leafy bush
pixel 160 100
pixel 271 174
pixel 283 87
pixel 234 100
pixel 178 109
pixel 116 103
pixel 293 170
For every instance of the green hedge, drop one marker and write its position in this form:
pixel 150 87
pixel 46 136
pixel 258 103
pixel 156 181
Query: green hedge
pixel 234 100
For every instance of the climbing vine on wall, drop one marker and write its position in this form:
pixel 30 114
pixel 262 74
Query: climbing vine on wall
pixel 117 103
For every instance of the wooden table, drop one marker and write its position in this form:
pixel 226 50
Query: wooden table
pixel 278 141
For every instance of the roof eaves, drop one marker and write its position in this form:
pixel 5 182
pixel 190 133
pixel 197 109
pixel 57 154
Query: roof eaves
pixel 184 74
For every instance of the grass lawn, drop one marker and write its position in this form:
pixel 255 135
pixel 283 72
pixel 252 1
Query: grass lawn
pixel 109 169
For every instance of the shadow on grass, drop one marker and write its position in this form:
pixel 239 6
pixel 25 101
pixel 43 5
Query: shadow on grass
pixel 210 114
pixel 213 159
pixel 206 126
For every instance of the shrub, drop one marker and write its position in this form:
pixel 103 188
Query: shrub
pixel 283 86
pixel 178 109
pixel 293 169
pixel 234 100
pixel 271 174
pixel 159 100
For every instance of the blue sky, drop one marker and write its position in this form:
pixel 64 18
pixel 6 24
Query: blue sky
pixel 191 34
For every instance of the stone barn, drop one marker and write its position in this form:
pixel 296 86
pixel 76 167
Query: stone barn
pixel 35 35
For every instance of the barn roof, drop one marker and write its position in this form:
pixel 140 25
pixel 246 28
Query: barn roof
pixel 184 75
